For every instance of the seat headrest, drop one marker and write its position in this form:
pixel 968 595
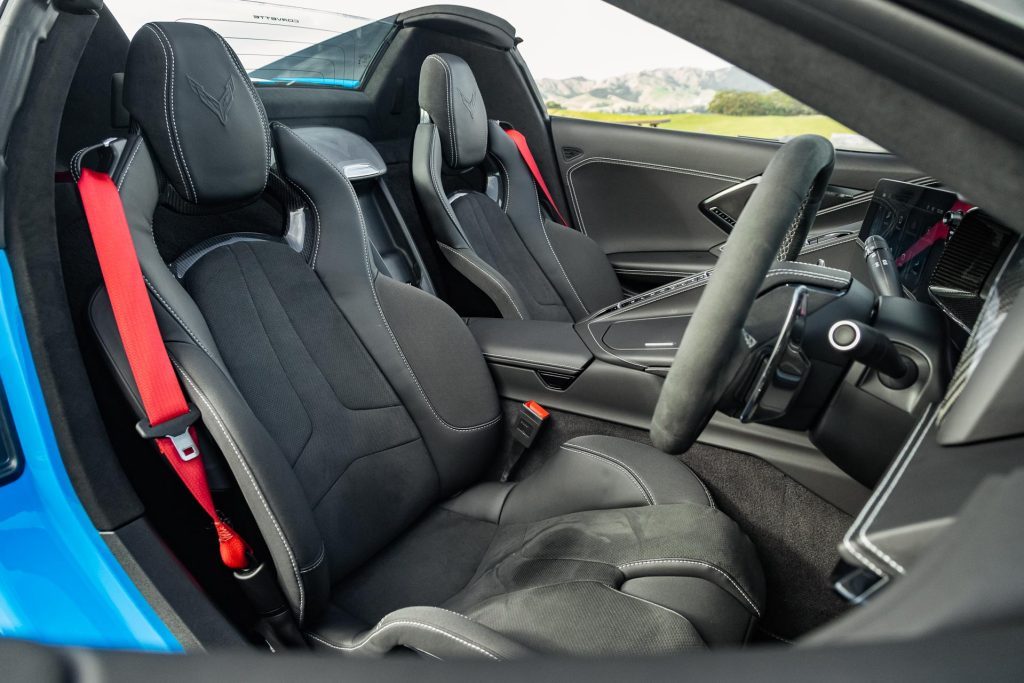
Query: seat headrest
pixel 450 96
pixel 199 112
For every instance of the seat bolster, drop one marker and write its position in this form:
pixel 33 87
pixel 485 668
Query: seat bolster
pixel 586 266
pixel 433 631
pixel 602 473
pixel 270 488
pixel 426 177
pixel 666 477
pixel 483 501
pixel 573 263
pixel 492 283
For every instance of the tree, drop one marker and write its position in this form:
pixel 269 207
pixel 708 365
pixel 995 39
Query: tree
pixel 774 103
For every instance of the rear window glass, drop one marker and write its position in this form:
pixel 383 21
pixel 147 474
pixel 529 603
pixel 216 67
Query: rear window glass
pixel 277 43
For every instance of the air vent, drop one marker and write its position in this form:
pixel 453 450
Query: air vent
pixel 570 153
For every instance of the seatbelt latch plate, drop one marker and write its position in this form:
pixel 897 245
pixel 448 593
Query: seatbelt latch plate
pixel 177 429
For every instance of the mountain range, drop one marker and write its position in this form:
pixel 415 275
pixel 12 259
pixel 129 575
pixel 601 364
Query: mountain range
pixel 655 91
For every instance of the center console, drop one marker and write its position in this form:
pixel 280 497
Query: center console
pixel 611 365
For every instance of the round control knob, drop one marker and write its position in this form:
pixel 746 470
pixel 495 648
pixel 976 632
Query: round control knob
pixel 844 335
pixel 872 348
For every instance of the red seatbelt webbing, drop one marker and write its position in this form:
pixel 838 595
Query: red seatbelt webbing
pixel 159 390
pixel 524 151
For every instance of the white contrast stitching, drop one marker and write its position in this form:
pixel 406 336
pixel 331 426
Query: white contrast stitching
pixel 405 622
pixel 438 190
pixel 131 160
pixel 256 101
pixel 373 290
pixel 702 282
pixel 177 317
pixel 75 161
pixel 638 164
pixel 547 238
pixel 167 121
pixel 252 480
pixel 448 85
pixel 680 560
pixel 810 275
pixel 886 489
pixel 490 277
pixel 174 119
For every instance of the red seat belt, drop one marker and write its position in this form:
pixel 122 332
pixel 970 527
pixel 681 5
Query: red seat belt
pixel 170 418
pixel 524 151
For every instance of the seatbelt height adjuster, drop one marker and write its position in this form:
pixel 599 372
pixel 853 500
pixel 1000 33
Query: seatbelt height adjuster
pixel 177 429
pixel 531 418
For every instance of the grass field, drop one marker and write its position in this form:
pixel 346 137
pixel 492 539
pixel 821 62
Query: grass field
pixel 771 127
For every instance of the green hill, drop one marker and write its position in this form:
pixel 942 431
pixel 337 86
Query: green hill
pixel 771 127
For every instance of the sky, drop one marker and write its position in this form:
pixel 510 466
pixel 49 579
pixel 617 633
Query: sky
pixel 561 38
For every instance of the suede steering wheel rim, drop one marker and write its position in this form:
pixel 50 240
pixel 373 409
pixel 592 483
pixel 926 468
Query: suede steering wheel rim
pixel 773 226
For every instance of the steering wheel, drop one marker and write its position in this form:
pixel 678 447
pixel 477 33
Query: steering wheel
pixel 773 226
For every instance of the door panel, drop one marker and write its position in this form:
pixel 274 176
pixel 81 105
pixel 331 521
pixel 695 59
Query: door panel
pixel 638 192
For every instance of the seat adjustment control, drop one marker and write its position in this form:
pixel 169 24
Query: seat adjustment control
pixel 872 348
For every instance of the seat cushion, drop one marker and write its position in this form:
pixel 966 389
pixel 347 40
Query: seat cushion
pixel 611 548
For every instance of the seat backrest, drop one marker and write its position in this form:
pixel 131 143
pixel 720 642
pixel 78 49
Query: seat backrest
pixel 392 246
pixel 345 403
pixel 529 266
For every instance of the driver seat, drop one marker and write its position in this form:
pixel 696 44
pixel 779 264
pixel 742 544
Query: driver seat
pixel 502 241
pixel 358 418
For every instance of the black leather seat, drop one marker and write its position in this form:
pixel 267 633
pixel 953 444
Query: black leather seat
pixel 501 240
pixel 358 417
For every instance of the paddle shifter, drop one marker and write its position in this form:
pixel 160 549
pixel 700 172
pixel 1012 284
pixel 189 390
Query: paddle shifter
pixel 882 266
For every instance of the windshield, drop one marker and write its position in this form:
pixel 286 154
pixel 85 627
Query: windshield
pixel 277 43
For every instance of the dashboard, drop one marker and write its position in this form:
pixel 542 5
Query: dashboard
pixel 944 249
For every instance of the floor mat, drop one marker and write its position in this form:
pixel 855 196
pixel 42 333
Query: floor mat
pixel 795 531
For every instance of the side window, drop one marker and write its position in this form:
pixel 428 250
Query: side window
pixel 617 68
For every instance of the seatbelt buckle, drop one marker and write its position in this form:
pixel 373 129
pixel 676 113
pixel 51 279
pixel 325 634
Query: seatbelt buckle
pixel 531 418
pixel 177 429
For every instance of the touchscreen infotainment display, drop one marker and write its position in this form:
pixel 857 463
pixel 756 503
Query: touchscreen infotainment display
pixel 909 217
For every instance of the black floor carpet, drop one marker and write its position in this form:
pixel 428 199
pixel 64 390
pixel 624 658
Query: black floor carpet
pixel 795 531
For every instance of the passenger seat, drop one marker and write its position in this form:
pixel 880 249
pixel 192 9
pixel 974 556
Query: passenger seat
pixel 502 241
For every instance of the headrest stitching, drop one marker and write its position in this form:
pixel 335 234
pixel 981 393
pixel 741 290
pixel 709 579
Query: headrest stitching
pixel 167 121
pixel 174 118
pixel 448 86
pixel 257 102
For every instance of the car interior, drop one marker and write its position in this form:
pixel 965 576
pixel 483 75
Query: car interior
pixel 477 382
